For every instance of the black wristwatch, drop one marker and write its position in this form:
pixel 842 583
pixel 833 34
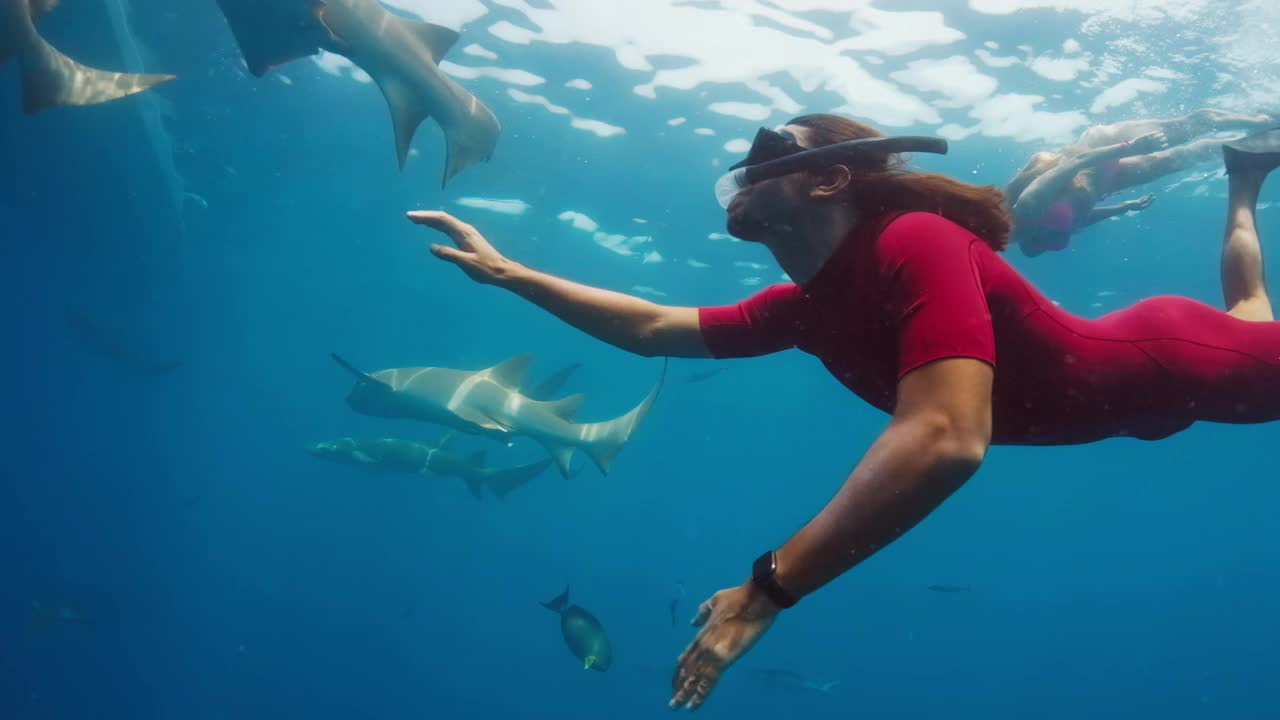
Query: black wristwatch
pixel 764 576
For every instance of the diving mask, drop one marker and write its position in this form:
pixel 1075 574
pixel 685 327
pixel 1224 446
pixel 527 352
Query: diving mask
pixel 774 154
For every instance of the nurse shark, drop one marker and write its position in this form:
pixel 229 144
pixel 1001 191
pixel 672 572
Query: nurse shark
pixel 488 402
pixel 50 78
pixel 442 459
pixel 401 55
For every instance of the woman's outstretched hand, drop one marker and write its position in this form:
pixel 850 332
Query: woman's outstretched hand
pixel 732 621
pixel 473 254
pixel 1149 143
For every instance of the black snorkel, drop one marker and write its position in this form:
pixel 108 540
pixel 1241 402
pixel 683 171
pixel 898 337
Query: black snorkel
pixel 773 155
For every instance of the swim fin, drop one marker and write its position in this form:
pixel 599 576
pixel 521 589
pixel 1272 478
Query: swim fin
pixel 1259 152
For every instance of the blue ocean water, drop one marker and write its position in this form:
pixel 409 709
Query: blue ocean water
pixel 252 226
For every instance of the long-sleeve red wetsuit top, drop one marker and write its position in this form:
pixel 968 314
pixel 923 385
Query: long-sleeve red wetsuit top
pixel 916 287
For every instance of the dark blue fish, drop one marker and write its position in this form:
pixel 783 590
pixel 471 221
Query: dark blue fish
pixel 582 632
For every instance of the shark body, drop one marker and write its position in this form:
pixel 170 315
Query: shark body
pixel 440 459
pixel 50 78
pixel 489 403
pixel 401 55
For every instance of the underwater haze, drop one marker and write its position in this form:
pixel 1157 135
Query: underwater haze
pixel 180 264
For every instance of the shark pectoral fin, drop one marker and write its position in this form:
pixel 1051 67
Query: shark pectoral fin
pixel 510 372
pixel 271 34
pixel 50 78
pixel 567 407
pixel 562 454
pixel 40 7
pixel 437 38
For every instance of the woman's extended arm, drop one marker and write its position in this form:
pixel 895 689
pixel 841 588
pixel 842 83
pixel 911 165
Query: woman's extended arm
pixel 1046 189
pixel 624 321
pixel 937 439
pixel 935 442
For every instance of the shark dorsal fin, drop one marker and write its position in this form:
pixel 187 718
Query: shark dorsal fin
pixel 567 407
pixel 510 373
pixel 552 384
pixel 438 39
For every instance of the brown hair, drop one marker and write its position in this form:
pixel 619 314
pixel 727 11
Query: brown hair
pixel 891 187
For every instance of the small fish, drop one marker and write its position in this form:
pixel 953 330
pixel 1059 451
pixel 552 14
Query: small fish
pixel 582 632
pixel 43 615
pixel 950 588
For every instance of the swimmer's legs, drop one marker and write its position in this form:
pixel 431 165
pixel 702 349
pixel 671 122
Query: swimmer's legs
pixel 1178 130
pixel 1243 282
pixel 1141 169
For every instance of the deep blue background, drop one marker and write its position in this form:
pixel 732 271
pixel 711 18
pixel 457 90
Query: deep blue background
pixel 228 574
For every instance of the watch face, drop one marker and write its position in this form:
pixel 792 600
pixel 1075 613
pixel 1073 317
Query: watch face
pixel 763 566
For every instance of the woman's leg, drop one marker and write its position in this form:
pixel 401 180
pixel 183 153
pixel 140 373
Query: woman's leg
pixel 1142 169
pixel 1178 130
pixel 1244 286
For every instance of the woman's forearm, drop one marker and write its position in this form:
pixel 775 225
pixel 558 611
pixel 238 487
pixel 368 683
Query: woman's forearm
pixel 624 321
pixel 911 468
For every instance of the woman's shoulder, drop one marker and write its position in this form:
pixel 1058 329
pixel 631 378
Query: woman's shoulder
pixel 907 229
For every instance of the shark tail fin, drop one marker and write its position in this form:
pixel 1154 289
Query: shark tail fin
pixel 603 441
pixel 469 140
pixel 558 603
pixel 501 482
pixel 407 113
pixel 50 78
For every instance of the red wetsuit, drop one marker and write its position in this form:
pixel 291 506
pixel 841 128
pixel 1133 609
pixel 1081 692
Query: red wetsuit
pixel 916 287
